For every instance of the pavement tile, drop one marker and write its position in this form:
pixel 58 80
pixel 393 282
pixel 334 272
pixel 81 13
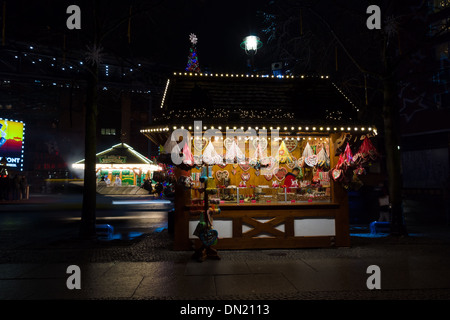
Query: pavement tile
pixel 332 274
pixel 145 269
pixel 16 270
pixel 109 287
pixel 216 267
pixel 176 287
pixel 244 284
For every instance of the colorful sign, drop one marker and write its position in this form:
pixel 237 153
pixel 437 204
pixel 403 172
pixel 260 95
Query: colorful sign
pixel 112 159
pixel 12 134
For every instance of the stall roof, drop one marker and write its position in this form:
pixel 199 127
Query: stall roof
pixel 119 154
pixel 298 103
pixel 252 98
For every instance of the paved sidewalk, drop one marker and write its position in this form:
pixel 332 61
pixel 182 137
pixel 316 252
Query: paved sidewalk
pixel 34 267
pixel 410 268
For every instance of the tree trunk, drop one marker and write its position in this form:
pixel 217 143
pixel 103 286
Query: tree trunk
pixel 87 228
pixel 393 154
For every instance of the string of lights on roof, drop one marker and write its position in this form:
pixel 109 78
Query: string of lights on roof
pixel 292 130
pixel 343 94
pixel 233 75
pixel 223 113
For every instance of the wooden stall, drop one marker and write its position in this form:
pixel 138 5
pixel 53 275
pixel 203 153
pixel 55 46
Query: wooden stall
pixel 119 167
pixel 309 130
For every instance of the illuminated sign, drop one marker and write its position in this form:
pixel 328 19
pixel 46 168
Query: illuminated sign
pixel 112 159
pixel 12 136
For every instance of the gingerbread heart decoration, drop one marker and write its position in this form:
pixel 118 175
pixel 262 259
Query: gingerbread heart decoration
pixel 220 175
pixel 262 142
pixel 311 160
pixel 227 143
pixel 244 166
pixel 292 164
pixel 245 176
pixel 268 176
pixel 268 163
pixel 233 171
pixel 257 173
pixel 291 144
pixel 222 165
pixel 199 144
pixel 280 173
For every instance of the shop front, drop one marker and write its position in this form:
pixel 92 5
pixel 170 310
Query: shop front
pixel 264 181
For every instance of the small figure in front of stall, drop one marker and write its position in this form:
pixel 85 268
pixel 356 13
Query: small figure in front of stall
pixel 148 186
pixel 290 177
pixel 102 181
pixel 159 189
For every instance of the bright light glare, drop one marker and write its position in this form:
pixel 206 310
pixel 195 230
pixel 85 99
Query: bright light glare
pixel 251 43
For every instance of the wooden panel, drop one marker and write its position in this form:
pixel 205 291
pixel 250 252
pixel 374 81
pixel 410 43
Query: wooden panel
pixel 277 215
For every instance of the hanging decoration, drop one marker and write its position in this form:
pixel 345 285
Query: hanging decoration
pixel 222 175
pixel 171 146
pixel 188 158
pixel 200 144
pixel 366 152
pixel 293 164
pixel 348 156
pixel 245 176
pixel 283 154
pixel 244 166
pixel 234 153
pixel 210 156
pixel 322 158
pixel 280 173
pixel 309 156
pixel 260 143
pixel 291 144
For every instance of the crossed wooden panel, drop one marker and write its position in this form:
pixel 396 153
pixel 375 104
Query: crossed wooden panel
pixel 263 227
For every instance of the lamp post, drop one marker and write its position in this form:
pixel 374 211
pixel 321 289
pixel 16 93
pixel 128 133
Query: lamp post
pixel 251 44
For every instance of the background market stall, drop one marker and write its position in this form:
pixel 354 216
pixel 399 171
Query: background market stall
pixel 125 168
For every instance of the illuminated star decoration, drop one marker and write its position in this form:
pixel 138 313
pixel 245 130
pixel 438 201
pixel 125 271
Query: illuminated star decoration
pixel 193 38
pixel 412 106
pixel 94 54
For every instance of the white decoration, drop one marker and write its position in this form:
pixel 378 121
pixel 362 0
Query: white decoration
pixel 193 38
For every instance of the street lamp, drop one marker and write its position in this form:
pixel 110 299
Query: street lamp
pixel 251 44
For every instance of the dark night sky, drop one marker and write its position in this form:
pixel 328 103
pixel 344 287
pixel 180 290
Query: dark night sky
pixel 160 34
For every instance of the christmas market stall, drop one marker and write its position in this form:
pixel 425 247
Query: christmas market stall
pixel 260 161
pixel 119 168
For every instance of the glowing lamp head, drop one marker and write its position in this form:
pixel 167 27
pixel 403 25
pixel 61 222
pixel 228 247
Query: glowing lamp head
pixel 251 44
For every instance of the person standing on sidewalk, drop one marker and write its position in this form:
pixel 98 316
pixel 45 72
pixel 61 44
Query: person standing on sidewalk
pixel 16 187
pixel 23 186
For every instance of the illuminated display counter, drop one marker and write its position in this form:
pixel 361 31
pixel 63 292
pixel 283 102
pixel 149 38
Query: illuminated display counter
pixel 257 210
